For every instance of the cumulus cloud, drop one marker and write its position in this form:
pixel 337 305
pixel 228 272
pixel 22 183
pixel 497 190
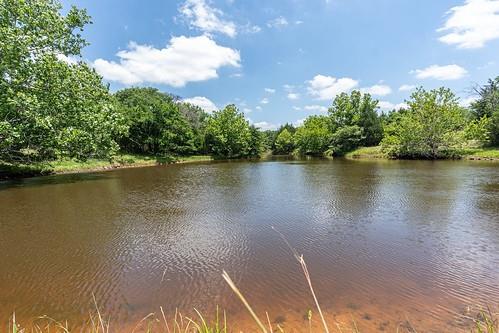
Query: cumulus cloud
pixel 471 25
pixel 264 126
pixel 264 101
pixel 466 102
pixel 270 91
pixel 327 87
pixel 387 106
pixel 278 22
pixel 203 102
pixel 205 18
pixel 293 96
pixel 377 90
pixel 183 60
pixel 318 108
pixel 442 73
pixel 407 87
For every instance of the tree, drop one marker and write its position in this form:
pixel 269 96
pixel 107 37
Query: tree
pixel 359 110
pixel 228 133
pixel 313 136
pixel 284 143
pixel 156 125
pixel 433 126
pixel 196 117
pixel 488 106
pixel 346 139
pixel 50 108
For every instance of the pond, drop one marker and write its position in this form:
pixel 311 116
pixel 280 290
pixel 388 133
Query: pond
pixel 388 243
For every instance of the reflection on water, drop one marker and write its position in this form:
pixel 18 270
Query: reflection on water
pixel 385 241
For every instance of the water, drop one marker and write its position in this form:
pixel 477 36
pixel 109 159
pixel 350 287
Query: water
pixel 388 243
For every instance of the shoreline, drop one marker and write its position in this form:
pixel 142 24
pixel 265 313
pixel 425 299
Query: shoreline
pixel 480 154
pixel 64 167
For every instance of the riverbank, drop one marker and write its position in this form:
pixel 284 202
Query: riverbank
pixel 10 171
pixel 472 154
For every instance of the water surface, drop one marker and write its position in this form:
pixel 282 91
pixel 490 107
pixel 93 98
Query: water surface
pixel 388 243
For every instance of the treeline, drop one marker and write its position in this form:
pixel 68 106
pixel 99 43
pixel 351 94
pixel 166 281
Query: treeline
pixel 53 107
pixel 433 125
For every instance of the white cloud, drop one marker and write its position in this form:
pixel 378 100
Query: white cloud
pixel 264 101
pixel 70 60
pixel 263 125
pixel 318 108
pixel 258 107
pixel 299 122
pixel 296 108
pixel 387 106
pixel 327 87
pixel 270 91
pixel 203 102
pixel 293 96
pixel 288 87
pixel 185 59
pixel 442 73
pixel 377 90
pixel 407 87
pixel 278 22
pixel 251 29
pixel 465 102
pixel 471 25
pixel 298 22
pixel 247 110
pixel 200 15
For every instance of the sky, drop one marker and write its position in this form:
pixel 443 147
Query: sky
pixel 280 61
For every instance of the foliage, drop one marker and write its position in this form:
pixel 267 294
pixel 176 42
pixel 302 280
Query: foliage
pixel 284 143
pixel 358 110
pixel 49 108
pixel 196 117
pixel 346 139
pixel 229 135
pixel 155 123
pixel 488 106
pixel 432 128
pixel 313 136
pixel 274 134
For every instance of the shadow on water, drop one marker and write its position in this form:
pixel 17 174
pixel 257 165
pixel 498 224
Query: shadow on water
pixel 53 180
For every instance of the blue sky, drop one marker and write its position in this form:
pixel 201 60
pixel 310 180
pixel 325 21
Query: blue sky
pixel 281 61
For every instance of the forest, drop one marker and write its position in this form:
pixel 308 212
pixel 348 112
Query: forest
pixel 54 109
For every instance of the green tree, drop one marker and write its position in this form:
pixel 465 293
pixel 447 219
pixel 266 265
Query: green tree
pixel 228 133
pixel 487 105
pixel 48 107
pixel 313 136
pixel 196 117
pixel 359 110
pixel 284 143
pixel 433 126
pixel 346 139
pixel 156 125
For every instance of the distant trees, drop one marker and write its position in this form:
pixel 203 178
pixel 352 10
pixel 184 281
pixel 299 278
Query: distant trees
pixel 50 108
pixel 434 126
pixel 155 123
pixel 284 143
pixel 229 134
pixel 313 136
pixel 487 106
pixel 358 110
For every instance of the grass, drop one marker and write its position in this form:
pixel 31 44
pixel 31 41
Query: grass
pixel 485 322
pixel 481 153
pixel 491 153
pixel 366 152
pixel 8 170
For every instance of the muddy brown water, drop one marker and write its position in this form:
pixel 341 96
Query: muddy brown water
pixel 388 243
